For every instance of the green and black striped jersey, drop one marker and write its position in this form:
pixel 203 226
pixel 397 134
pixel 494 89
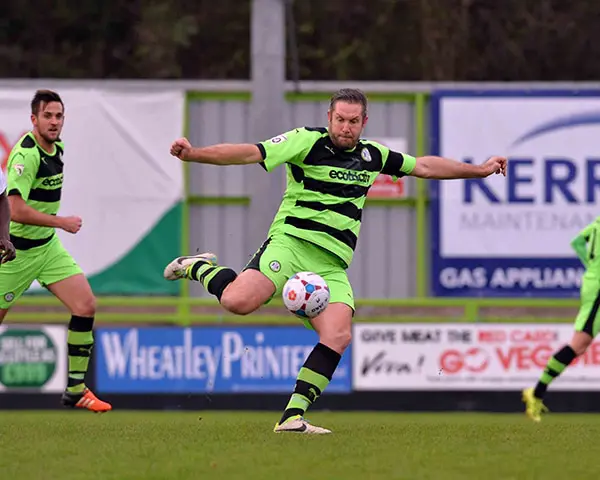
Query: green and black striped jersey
pixel 37 176
pixel 326 186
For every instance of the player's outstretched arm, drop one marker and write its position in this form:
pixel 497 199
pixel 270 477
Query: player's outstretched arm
pixel 446 169
pixel 222 154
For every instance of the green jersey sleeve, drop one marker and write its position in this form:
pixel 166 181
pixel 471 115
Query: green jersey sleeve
pixel 588 231
pixel 289 147
pixel 586 242
pixel 21 172
pixel 395 164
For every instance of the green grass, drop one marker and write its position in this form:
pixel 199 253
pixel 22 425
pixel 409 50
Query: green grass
pixel 227 445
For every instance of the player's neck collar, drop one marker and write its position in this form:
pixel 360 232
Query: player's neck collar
pixel 42 148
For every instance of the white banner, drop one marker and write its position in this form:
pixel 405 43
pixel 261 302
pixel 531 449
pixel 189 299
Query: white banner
pixel 511 235
pixel 118 174
pixel 465 357
pixel 33 358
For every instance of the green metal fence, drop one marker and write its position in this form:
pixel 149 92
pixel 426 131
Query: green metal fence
pixel 186 310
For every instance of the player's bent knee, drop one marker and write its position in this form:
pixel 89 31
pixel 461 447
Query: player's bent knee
pixel 85 307
pixel 235 303
pixel 580 342
pixel 580 348
pixel 337 340
pixel 579 351
pixel 247 293
pixel 334 326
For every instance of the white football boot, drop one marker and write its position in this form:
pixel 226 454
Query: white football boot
pixel 297 424
pixel 182 266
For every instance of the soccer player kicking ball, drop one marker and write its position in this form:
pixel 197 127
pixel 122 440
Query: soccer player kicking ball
pixel 586 322
pixel 35 178
pixel 329 172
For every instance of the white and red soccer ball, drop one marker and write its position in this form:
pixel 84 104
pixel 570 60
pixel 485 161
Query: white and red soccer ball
pixel 306 294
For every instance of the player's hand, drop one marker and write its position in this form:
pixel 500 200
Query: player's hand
pixel 71 224
pixel 7 251
pixel 495 165
pixel 179 148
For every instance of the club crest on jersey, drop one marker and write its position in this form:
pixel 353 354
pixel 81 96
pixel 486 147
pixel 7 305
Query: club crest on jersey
pixel 365 154
pixel 275 266
pixel 279 139
pixel 19 167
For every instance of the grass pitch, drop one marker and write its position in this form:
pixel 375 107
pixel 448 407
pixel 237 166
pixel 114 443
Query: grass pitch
pixel 121 445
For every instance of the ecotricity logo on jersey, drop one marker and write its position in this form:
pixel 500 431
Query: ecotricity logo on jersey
pixel 349 176
pixel 550 193
pixel 53 182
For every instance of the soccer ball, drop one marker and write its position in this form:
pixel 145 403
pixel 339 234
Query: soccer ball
pixel 306 294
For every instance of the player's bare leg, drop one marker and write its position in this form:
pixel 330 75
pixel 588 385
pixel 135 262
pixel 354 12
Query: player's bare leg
pixel 533 397
pixel 3 312
pixel 76 294
pixel 245 293
pixel 580 342
pixel 334 327
pixel 239 294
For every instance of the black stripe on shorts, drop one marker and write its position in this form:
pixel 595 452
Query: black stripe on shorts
pixel 254 263
pixel 588 327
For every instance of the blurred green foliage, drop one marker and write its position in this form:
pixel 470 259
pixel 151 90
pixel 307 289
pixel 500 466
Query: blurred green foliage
pixel 402 40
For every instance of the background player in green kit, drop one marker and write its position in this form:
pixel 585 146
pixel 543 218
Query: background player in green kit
pixel 587 322
pixel 35 178
pixel 329 172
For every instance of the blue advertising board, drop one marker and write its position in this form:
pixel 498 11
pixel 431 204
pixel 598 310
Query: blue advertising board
pixel 510 236
pixel 206 359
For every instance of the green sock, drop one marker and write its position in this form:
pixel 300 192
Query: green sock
pixel 309 386
pixel 556 365
pixel 212 277
pixel 80 340
pixel 312 380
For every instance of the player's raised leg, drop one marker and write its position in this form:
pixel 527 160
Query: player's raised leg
pixel 76 294
pixel 240 294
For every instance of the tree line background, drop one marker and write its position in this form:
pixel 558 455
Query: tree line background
pixel 402 40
